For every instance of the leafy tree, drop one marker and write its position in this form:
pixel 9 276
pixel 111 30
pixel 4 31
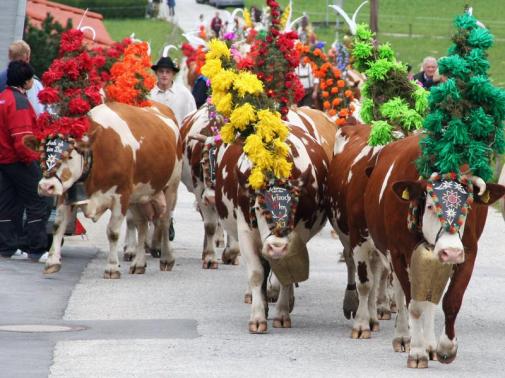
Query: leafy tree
pixel 44 42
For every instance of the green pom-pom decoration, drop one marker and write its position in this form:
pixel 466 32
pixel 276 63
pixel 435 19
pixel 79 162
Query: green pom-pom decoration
pixel 465 125
pixel 366 112
pixel 381 133
pixel 379 69
pixel 411 120
pixel 420 96
pixel 394 108
pixel 480 38
pixel 362 50
pixel 364 33
pixel 386 52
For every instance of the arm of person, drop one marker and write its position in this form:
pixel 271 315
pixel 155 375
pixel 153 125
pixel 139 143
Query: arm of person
pixel 21 120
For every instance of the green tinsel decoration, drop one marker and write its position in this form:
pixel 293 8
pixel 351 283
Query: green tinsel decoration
pixel 393 105
pixel 465 124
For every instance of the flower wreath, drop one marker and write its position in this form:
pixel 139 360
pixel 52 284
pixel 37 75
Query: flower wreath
pixel 275 227
pixel 444 212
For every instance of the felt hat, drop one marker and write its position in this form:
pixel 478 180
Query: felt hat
pixel 165 62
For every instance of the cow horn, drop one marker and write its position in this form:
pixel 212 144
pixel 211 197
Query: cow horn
pixel 198 137
pixel 478 182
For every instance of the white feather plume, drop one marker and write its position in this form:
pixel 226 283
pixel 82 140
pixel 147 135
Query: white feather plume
pixel 350 21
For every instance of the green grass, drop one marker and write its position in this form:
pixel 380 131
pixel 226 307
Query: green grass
pixel 157 32
pixel 415 29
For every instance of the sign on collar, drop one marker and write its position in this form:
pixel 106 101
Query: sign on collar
pixel 54 151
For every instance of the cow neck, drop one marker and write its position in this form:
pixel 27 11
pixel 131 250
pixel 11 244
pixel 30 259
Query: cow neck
pixel 209 150
pixel 87 162
pixel 274 227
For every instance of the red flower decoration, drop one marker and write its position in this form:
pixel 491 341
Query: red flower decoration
pixel 49 95
pixel 78 106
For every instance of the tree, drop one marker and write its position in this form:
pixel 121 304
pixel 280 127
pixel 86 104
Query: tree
pixel 44 42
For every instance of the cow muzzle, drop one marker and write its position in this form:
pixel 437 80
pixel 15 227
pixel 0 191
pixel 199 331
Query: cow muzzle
pixel 276 250
pixel 49 188
pixel 451 255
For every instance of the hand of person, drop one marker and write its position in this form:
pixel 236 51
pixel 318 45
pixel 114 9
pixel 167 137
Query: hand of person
pixel 314 95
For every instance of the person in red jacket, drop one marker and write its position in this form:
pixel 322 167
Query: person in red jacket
pixel 19 169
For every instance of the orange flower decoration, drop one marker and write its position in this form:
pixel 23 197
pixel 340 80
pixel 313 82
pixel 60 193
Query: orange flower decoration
pixel 329 82
pixel 340 121
pixel 325 94
pixel 348 93
pixel 336 102
pixel 341 83
pixel 326 105
pixel 332 112
pixel 334 90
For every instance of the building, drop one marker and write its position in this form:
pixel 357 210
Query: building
pixel 12 20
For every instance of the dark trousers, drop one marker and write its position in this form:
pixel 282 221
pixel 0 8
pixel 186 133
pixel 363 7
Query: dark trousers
pixel 18 194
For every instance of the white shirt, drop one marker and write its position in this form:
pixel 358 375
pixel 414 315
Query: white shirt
pixel 305 75
pixel 32 95
pixel 177 98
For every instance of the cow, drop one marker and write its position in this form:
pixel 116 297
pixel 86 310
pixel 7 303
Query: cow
pixel 131 158
pixel 346 182
pixel 392 192
pixel 244 214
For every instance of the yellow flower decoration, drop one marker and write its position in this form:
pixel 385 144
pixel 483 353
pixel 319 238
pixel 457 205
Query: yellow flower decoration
pixel 281 148
pixel 285 16
pixel 217 50
pixel 224 105
pixel 211 68
pixel 228 133
pixel 282 168
pixel 223 80
pixel 247 19
pixel 265 132
pixel 248 83
pixel 242 116
pixel 256 178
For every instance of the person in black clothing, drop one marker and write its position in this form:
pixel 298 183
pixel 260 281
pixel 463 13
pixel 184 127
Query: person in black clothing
pixel 427 75
pixel 200 91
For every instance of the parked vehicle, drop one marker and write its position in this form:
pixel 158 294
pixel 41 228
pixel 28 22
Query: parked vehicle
pixel 227 3
pixel 74 227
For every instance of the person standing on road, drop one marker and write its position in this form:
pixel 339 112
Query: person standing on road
pixel 175 96
pixel 171 7
pixel 19 170
pixel 216 24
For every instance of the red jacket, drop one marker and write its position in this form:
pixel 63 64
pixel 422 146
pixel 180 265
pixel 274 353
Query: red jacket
pixel 17 119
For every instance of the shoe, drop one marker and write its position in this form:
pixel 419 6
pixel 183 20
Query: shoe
pixel 171 231
pixel 19 255
pixel 44 258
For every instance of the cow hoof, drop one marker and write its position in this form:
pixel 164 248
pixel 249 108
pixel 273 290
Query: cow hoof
pixel 282 322
pixel 361 334
pixel 374 325
pixel 210 265
pixel 417 363
pixel 432 354
pixel 53 268
pixel 112 275
pixel 258 326
pixel 128 256
pixel 401 344
pixel 156 253
pixel 137 269
pixel 248 298
pixel 166 266
pixel 351 302
pixel 447 350
pixel 445 358
pixel 229 258
pixel 384 314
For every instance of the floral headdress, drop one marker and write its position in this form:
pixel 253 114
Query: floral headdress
pixel 240 97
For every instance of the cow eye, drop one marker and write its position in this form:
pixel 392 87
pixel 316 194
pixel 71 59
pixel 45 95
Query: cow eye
pixel 430 207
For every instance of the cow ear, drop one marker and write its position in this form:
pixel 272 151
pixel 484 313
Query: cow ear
pixel 492 194
pixel 31 143
pixel 409 190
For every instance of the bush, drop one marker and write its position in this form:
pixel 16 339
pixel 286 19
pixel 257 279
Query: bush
pixel 112 8
pixel 44 42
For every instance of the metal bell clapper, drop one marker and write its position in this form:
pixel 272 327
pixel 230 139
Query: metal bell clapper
pixel 76 194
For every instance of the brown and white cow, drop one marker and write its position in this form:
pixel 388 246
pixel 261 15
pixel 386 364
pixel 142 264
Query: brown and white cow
pixel 392 185
pixel 243 216
pixel 136 160
pixel 346 183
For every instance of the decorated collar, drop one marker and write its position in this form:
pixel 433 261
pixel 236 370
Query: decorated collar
pixel 278 203
pixel 452 195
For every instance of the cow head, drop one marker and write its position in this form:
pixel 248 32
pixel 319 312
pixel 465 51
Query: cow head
pixel 63 162
pixel 439 207
pixel 273 212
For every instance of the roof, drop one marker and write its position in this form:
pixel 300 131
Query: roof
pixel 37 10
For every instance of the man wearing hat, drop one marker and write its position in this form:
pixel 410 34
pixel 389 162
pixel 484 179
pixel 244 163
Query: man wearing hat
pixel 175 96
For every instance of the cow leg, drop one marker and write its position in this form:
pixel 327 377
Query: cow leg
pixel 429 331
pixel 130 238
pixel 248 295
pixel 53 263
pixel 351 300
pixel 167 260
pixel 282 319
pixel 383 303
pixel 401 340
pixel 255 275
pixel 273 288
pixel 448 344
pixel 361 328
pixel 113 229
pixel 209 259
pixel 219 239
pixel 418 355
pixel 138 265
pixel 231 251
pixel 377 272
pixel 153 238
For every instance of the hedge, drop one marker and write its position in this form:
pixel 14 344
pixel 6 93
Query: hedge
pixel 112 8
